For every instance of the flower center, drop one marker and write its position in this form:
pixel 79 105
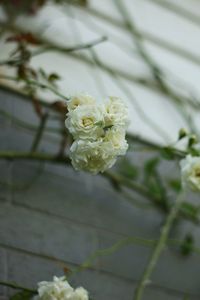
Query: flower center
pixel 87 122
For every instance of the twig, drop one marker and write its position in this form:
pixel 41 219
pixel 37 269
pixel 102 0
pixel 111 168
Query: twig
pixel 35 83
pixel 73 48
pixel 39 132
pixel 158 41
pixel 158 248
pixel 17 287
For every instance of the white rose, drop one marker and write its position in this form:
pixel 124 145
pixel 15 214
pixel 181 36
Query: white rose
pixel 116 112
pixel 78 100
pixel 116 137
pixel 92 156
pixel 190 170
pixel 80 294
pixel 58 289
pixel 85 122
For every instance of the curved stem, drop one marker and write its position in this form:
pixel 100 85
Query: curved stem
pixel 158 248
pixel 17 287
pixel 35 83
pixel 71 49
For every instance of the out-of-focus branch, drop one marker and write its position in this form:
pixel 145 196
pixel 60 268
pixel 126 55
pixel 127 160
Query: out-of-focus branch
pixel 131 137
pixel 178 10
pixel 117 179
pixel 158 248
pixel 35 83
pixel 158 41
pixel 17 287
pixel 39 132
pixel 71 49
pixel 155 69
pixel 146 82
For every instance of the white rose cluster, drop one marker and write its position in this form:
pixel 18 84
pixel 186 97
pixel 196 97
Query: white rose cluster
pixel 98 131
pixel 59 289
pixel 190 170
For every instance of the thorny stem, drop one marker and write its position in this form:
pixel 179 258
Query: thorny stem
pixel 158 248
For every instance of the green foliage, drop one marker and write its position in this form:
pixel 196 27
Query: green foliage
pixel 150 167
pixel 22 295
pixel 187 245
pixel 191 210
pixel 53 77
pixel 175 184
pixel 167 153
pixel 151 175
pixel 127 169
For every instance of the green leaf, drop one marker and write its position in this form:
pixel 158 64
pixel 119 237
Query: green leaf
pixel 175 184
pixel 190 210
pixel 150 166
pixel 53 77
pixel 187 245
pixel 23 295
pixel 127 169
pixel 167 153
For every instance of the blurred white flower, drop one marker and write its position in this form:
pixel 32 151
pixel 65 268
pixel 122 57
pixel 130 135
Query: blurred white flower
pixel 85 122
pixel 190 170
pixel 92 156
pixel 80 99
pixel 59 289
pixel 116 137
pixel 116 112
pixel 80 294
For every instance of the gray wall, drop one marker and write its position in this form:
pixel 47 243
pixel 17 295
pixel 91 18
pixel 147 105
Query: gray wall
pixel 52 217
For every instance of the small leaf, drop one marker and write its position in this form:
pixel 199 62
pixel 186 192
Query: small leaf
pixel 167 153
pixel 150 166
pixel 53 77
pixel 187 245
pixel 190 210
pixel 175 184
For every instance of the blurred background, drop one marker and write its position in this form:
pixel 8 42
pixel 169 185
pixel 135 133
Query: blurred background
pixel 53 218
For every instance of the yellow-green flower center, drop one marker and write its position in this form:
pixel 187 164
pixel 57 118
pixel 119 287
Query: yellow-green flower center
pixel 87 122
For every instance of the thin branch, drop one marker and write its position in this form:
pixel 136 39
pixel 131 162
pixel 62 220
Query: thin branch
pixel 27 125
pixel 113 177
pixel 39 132
pixel 35 83
pixel 158 248
pixel 17 287
pixel 178 10
pixel 130 77
pixel 73 48
pixel 131 137
pixel 158 41
pixel 157 73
